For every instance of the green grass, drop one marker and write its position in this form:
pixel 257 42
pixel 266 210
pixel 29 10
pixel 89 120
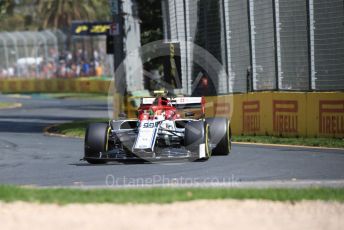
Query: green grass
pixel 304 141
pixel 73 129
pixel 86 96
pixel 77 129
pixel 163 195
pixel 4 105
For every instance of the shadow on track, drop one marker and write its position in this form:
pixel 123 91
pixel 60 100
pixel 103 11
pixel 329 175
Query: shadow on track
pixel 137 162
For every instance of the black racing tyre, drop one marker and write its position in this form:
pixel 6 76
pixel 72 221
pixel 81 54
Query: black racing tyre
pixel 196 133
pixel 220 135
pixel 96 141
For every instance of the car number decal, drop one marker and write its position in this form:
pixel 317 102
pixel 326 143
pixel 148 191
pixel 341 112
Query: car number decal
pixel 146 136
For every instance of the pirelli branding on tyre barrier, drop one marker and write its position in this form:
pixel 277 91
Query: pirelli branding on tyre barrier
pixel 282 113
pixel 81 85
pixel 278 113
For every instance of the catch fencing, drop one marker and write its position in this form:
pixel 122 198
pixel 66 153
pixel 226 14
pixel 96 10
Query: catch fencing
pixel 52 54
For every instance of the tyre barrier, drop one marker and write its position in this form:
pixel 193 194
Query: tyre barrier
pixel 80 85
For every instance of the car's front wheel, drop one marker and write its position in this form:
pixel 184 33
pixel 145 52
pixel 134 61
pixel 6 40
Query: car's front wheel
pixel 96 141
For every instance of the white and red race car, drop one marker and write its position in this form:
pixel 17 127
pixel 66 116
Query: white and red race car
pixel 161 132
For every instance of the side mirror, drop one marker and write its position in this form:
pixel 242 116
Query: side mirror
pixel 189 114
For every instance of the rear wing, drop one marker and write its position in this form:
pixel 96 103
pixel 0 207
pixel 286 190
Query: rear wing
pixel 181 102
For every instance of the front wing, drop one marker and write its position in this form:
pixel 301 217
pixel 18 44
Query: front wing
pixel 161 155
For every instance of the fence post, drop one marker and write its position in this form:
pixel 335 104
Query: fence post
pixel 14 43
pixel 277 43
pixel 6 51
pixel 310 25
pixel 250 14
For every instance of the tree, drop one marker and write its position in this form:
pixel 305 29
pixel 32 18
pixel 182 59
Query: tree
pixel 59 14
pixel 48 14
pixel 6 7
pixel 8 15
pixel 151 18
pixel 151 30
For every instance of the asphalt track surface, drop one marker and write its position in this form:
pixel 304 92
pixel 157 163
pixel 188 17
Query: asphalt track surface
pixel 28 157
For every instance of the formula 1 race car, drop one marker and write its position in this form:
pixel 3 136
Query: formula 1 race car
pixel 161 132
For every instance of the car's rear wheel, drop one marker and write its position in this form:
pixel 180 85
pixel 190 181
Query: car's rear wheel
pixel 96 141
pixel 196 134
pixel 220 135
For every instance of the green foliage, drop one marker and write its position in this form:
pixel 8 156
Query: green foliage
pixel 151 18
pixel 7 6
pixel 6 104
pixel 81 96
pixel 163 195
pixel 302 141
pixel 40 14
pixel 60 14
pixel 151 29
pixel 74 129
pixel 43 14
pixel 17 15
